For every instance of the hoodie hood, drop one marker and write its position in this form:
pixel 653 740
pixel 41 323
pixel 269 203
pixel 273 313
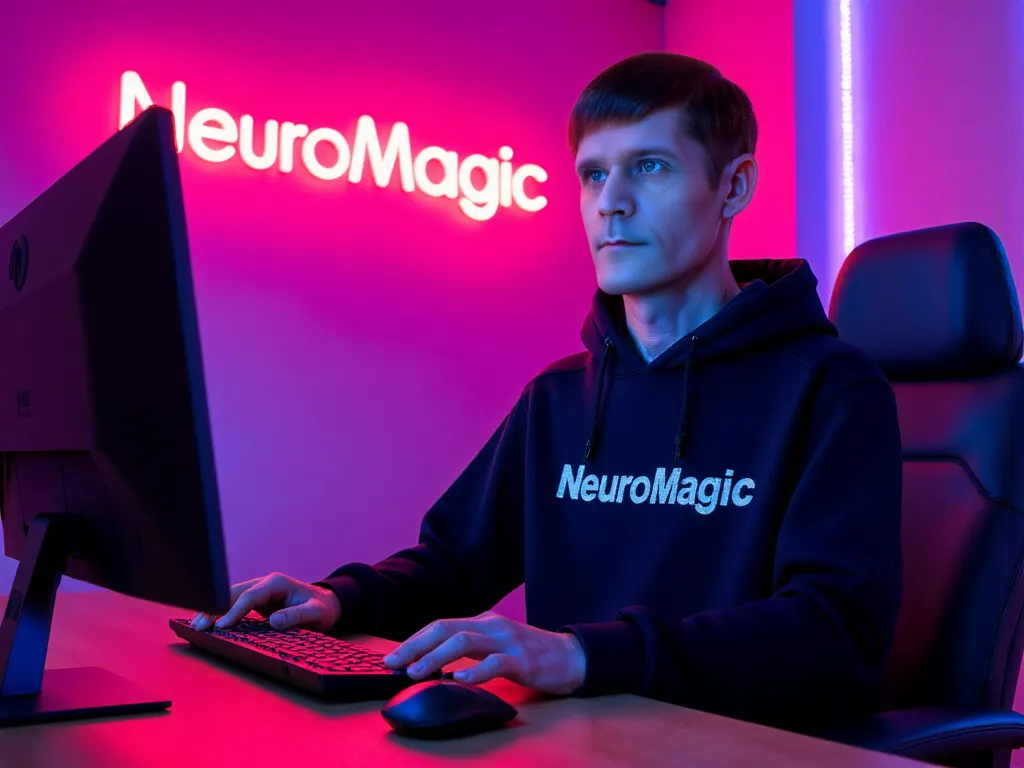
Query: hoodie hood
pixel 778 301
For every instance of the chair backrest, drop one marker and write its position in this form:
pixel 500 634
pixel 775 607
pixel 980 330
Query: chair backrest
pixel 938 310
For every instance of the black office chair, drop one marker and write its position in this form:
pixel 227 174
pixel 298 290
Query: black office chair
pixel 938 310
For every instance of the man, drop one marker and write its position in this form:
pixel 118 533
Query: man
pixel 705 505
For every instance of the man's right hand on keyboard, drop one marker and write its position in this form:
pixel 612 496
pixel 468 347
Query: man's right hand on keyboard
pixel 285 601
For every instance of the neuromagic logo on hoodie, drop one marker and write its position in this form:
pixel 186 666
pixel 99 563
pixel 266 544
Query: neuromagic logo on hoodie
pixel 705 495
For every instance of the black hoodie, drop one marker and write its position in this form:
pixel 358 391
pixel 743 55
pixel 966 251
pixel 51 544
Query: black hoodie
pixel 719 527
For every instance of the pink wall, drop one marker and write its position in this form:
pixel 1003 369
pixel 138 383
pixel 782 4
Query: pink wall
pixel 939 105
pixel 360 343
pixel 751 42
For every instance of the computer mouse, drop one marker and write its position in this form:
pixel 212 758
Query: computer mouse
pixel 445 709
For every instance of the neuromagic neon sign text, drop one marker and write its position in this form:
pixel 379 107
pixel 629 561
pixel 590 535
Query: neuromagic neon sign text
pixel 216 136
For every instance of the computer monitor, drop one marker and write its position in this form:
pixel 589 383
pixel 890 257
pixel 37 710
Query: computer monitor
pixel 106 457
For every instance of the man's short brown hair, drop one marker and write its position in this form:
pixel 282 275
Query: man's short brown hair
pixel 718 114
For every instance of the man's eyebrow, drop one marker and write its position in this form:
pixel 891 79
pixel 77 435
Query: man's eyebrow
pixel 587 162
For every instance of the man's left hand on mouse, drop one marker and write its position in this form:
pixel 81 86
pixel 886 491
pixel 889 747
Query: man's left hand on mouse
pixel 550 662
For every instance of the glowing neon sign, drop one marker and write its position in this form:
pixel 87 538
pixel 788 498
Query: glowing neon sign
pixel 215 136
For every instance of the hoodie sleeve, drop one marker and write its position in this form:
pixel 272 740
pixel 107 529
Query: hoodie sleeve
pixel 816 647
pixel 469 555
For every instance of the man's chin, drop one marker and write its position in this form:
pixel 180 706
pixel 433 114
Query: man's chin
pixel 628 285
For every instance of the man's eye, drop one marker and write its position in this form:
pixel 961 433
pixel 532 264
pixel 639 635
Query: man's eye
pixel 650 166
pixel 593 175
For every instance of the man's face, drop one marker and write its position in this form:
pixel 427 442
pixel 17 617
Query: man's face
pixel 646 185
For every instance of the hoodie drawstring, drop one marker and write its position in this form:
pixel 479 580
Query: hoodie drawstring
pixel 684 417
pixel 595 429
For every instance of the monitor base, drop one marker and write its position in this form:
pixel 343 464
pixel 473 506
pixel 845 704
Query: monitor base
pixel 30 693
pixel 79 693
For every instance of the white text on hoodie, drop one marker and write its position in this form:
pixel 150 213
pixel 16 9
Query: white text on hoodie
pixel 705 495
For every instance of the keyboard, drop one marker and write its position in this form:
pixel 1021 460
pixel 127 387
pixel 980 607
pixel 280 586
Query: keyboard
pixel 319 664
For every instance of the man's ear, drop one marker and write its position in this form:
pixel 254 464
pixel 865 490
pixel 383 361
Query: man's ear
pixel 739 178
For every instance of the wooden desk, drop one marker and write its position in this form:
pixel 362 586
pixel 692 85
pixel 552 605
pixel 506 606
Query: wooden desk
pixel 220 713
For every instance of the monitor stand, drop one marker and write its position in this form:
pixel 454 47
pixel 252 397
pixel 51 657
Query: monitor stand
pixel 28 694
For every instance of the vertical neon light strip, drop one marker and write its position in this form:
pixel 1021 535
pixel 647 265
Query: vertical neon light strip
pixel 846 85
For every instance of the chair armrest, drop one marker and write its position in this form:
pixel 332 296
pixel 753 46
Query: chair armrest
pixel 929 733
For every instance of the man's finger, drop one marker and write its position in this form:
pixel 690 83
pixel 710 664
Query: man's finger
pixel 472 645
pixel 263 592
pixel 238 589
pixel 203 621
pixel 427 639
pixel 495 665
pixel 309 612
pixel 445 627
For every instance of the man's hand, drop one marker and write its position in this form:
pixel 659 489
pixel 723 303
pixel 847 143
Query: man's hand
pixel 552 662
pixel 287 602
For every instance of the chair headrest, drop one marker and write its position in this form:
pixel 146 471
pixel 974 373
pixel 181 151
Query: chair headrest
pixel 937 303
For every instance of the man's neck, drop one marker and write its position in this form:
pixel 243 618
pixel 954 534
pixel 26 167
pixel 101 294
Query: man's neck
pixel 658 320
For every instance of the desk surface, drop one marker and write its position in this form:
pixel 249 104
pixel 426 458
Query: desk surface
pixel 219 712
